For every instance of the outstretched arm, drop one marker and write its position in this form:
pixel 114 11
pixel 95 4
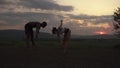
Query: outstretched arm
pixel 59 31
pixel 61 24
pixel 37 31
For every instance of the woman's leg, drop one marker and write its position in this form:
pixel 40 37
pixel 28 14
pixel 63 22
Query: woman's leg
pixel 66 40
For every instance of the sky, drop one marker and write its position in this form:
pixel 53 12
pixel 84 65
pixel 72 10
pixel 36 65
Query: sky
pixel 83 17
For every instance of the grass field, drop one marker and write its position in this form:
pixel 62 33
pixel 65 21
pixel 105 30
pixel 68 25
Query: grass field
pixel 74 43
pixel 82 53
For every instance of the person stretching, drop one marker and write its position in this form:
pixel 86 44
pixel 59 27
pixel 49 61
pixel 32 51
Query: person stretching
pixel 66 35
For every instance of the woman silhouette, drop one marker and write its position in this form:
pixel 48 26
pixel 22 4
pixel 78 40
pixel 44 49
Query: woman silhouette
pixel 66 35
pixel 29 31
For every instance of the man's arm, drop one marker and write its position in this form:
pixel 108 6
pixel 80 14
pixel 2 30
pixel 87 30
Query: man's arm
pixel 37 32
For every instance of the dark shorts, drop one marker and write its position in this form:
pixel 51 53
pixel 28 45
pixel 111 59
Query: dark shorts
pixel 28 31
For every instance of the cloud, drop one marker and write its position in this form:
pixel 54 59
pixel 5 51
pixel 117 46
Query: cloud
pixel 33 4
pixel 5 2
pixel 93 18
pixel 81 16
pixel 85 20
pixel 46 5
pixel 18 20
pixel 11 17
pixel 100 25
pixel 88 24
pixel 77 26
pixel 15 13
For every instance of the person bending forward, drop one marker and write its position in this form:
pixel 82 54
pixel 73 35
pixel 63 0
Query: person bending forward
pixel 29 33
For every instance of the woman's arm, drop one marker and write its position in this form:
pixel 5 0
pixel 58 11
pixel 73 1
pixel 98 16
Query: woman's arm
pixel 59 31
pixel 61 24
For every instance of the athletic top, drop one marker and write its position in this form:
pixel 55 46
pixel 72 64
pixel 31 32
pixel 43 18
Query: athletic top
pixel 62 30
pixel 31 25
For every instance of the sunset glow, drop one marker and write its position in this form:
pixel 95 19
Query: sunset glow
pixel 100 33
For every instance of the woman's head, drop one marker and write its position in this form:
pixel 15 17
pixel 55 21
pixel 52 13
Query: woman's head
pixel 54 30
pixel 44 24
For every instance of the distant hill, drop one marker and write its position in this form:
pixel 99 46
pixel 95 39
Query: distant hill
pixel 95 37
pixel 19 34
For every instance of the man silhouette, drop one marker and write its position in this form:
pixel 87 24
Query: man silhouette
pixel 29 33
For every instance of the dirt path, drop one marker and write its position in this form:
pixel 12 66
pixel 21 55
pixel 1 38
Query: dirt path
pixel 55 58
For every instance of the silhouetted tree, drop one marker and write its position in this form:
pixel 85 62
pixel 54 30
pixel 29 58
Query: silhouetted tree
pixel 116 22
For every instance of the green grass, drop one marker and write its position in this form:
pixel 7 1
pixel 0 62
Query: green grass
pixel 93 43
pixel 74 43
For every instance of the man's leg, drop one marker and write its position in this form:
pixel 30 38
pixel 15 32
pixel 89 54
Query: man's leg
pixel 32 39
pixel 27 40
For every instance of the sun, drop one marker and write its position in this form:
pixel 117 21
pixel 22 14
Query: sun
pixel 100 32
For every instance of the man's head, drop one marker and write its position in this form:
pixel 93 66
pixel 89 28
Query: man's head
pixel 54 30
pixel 43 24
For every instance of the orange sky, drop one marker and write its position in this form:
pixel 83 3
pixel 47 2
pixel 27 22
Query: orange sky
pixel 92 7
